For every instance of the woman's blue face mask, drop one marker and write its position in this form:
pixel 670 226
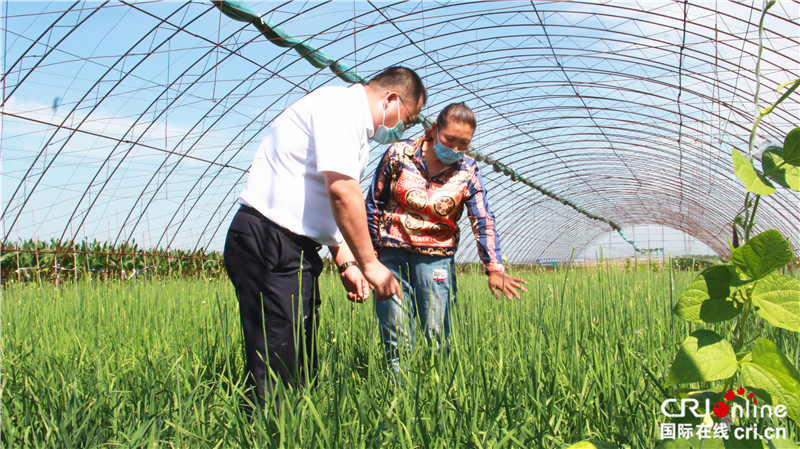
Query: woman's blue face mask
pixel 446 154
pixel 384 135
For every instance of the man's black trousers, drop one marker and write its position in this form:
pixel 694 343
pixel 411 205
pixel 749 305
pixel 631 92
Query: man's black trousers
pixel 275 275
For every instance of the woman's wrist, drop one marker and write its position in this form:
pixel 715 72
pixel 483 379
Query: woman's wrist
pixel 494 268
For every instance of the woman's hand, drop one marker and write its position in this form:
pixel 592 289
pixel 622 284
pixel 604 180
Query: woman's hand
pixel 381 280
pixel 501 282
pixel 356 285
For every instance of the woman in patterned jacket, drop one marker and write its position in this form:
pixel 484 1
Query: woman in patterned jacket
pixel 413 207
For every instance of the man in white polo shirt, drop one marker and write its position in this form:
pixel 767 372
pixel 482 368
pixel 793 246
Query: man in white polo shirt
pixel 303 191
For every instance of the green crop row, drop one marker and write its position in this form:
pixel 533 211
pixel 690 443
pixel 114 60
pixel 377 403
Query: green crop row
pixel 158 363
pixel 59 261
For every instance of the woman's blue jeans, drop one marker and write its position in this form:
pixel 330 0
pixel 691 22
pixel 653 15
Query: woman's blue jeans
pixel 429 288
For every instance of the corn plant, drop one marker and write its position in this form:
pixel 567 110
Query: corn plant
pixel 59 261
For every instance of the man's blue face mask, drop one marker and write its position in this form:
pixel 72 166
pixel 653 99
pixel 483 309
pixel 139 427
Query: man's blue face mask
pixel 384 135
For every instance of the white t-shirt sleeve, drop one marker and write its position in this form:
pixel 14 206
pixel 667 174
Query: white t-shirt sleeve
pixel 337 140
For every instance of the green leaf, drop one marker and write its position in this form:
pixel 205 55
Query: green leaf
pixel 791 147
pixel 773 378
pixel 682 443
pixel 778 300
pixel 782 443
pixel 692 443
pixel 753 180
pixel 762 254
pixel 733 443
pixel 711 443
pixel 7 255
pixel 788 176
pixel 707 297
pixel 594 445
pixel 703 356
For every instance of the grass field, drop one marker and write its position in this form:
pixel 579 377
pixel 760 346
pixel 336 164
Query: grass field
pixel 158 363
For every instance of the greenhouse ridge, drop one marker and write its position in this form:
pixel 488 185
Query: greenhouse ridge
pixel 627 110
pixel 240 11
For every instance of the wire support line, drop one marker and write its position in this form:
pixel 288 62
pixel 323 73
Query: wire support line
pixel 498 166
pixel 668 86
pixel 242 12
pixel 579 96
pixel 126 141
pixel 680 111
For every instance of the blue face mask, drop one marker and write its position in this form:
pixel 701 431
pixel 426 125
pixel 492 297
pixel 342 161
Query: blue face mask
pixel 446 154
pixel 384 135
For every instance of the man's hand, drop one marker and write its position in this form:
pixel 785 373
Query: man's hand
pixel 501 282
pixel 355 284
pixel 347 205
pixel 382 280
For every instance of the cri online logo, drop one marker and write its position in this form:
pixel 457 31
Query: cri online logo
pixel 723 408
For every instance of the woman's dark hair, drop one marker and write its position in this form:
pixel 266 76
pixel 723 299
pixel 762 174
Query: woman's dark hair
pixel 456 112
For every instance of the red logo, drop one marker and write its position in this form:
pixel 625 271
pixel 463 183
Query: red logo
pixel 721 409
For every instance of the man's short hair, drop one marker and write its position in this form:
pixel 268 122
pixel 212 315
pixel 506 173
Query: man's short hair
pixel 404 80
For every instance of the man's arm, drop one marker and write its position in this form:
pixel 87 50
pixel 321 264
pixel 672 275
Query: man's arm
pixel 352 278
pixel 350 213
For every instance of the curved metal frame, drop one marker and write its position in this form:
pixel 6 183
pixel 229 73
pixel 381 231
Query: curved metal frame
pixel 564 133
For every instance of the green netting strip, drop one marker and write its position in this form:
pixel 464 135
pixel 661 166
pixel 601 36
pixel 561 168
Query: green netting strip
pixel 240 11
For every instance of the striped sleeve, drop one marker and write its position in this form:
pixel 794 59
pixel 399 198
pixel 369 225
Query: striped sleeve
pixel 378 193
pixel 483 224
